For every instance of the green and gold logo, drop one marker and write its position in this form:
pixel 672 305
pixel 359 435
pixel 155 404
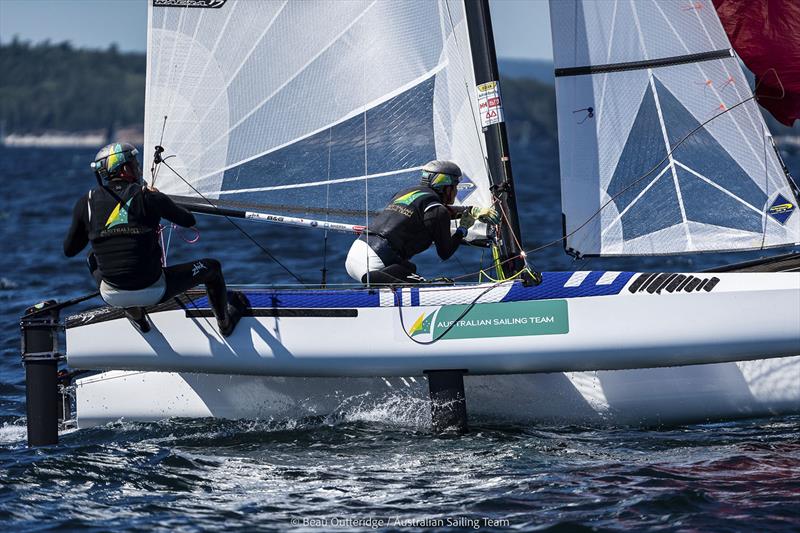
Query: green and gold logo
pixel 119 215
pixel 406 199
pixel 422 324
pixel 504 319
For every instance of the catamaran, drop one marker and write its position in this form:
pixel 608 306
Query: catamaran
pixel 314 114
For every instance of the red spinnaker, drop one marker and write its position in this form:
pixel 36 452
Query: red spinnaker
pixel 766 35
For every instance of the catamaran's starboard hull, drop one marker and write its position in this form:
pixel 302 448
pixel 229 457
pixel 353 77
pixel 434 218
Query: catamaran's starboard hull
pixel 623 397
pixel 571 322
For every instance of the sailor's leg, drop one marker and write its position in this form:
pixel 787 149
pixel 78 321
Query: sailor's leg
pixel 405 272
pixel 182 277
pixel 228 309
pixel 361 259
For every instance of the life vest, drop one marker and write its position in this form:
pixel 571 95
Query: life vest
pixel 124 238
pixel 117 209
pixel 401 223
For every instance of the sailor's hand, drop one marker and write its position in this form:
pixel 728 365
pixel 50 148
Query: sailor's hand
pixel 467 219
pixel 152 188
pixel 487 215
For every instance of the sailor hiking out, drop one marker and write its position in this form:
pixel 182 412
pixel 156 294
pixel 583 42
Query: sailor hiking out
pixel 120 218
pixel 415 218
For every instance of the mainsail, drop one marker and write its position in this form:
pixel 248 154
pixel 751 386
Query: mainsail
pixel 662 149
pixel 318 109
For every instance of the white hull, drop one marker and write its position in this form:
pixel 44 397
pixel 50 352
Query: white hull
pixel 629 349
pixel 572 322
pixel 623 397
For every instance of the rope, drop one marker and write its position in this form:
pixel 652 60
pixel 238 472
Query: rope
pixel 451 326
pixel 181 230
pixel 242 230
pixel 164 248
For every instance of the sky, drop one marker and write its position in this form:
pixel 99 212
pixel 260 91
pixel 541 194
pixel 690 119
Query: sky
pixel 521 27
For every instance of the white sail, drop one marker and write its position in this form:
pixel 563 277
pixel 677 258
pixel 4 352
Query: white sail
pixel 310 107
pixel 633 79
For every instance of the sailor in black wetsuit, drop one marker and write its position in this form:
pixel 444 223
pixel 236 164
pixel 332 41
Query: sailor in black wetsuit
pixel 414 219
pixel 120 218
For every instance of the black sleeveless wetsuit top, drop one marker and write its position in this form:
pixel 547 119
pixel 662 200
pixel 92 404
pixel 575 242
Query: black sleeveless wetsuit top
pixel 414 219
pixel 121 222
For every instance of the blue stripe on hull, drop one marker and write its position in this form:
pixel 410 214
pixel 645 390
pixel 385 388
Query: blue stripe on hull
pixel 414 297
pixel 552 287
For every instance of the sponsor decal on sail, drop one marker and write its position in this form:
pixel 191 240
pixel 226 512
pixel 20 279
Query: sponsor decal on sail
pixel 490 105
pixel 781 209
pixel 511 319
pixel 214 4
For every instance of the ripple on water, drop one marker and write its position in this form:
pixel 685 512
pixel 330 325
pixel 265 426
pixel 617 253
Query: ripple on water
pixel 370 459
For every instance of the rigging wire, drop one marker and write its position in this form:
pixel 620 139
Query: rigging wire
pixel 366 162
pixel 642 177
pixel 624 190
pixel 237 226
pixel 155 167
pixel 766 186
pixel 484 155
pixel 669 154
pixel 327 213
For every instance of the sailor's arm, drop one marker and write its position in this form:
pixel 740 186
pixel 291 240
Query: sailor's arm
pixel 437 221
pixel 166 208
pixel 457 210
pixel 78 235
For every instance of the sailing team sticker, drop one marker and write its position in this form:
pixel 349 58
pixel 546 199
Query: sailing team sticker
pixel 490 105
pixel 781 209
pixel 511 319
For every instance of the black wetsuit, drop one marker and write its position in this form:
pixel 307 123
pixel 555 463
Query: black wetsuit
pixel 413 220
pixel 121 221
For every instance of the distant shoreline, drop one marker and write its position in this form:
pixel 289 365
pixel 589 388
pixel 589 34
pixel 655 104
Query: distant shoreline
pixel 63 139
pixel 93 139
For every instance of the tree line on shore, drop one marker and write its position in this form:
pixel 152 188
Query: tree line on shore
pixel 49 86
pixel 54 86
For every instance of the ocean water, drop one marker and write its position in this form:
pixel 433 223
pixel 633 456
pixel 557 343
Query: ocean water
pixel 360 468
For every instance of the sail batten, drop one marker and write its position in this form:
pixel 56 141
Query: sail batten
pixel 646 64
pixel 662 148
pixel 320 183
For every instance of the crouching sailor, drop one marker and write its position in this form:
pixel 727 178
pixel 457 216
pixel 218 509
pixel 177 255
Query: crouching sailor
pixel 120 218
pixel 414 219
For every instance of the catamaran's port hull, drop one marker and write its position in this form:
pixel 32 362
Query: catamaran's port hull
pixel 623 397
pixel 571 322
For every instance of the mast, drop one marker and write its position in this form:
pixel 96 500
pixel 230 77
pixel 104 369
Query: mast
pixel 484 63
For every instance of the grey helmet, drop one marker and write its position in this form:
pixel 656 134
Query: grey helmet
pixel 110 159
pixel 438 174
